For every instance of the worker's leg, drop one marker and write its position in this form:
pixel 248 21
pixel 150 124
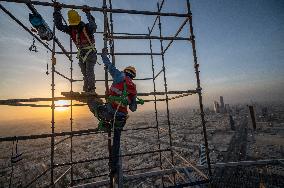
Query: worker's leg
pixel 116 145
pixel 90 75
pixel 115 150
pixel 96 107
pixel 83 70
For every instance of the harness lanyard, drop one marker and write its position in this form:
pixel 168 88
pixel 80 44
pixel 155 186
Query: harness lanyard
pixel 124 95
pixel 114 116
pixel 122 99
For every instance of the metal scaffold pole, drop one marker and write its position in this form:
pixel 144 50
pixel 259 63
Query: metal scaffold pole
pixel 155 104
pixel 196 67
pixel 111 33
pixel 166 89
pixel 71 113
pixel 53 62
pixel 118 11
pixel 107 92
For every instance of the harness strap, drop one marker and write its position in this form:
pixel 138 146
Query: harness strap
pixel 123 98
pixel 88 38
pixel 90 48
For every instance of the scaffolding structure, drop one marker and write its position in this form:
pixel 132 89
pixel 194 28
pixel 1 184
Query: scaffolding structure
pixel 109 37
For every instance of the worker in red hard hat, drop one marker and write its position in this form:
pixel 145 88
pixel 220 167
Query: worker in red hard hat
pixel 82 35
pixel 113 114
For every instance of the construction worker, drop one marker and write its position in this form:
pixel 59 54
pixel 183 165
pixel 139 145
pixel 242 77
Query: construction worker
pixel 82 36
pixel 113 114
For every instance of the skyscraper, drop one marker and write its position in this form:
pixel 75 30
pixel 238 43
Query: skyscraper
pixel 216 107
pixel 222 106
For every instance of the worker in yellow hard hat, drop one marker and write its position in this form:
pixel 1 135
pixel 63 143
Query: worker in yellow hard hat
pixel 73 17
pixel 113 114
pixel 82 35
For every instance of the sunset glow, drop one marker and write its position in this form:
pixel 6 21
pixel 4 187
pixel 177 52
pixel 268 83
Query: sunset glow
pixel 61 105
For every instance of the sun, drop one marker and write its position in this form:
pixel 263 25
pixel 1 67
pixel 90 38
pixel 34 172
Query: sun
pixel 61 105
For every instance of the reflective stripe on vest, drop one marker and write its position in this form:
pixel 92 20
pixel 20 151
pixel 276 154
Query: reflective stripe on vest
pixel 117 91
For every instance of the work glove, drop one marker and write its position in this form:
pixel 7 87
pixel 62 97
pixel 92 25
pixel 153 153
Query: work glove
pixel 140 101
pixel 57 6
pixel 86 9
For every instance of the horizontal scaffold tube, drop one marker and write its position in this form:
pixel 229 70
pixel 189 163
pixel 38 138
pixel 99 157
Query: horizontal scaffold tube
pixel 73 133
pixel 100 9
pixel 246 163
pixel 76 95
pixel 110 80
pixel 148 37
pixel 104 158
pixel 119 53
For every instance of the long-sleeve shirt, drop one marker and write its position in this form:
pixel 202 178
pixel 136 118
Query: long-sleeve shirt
pixel 92 26
pixel 118 76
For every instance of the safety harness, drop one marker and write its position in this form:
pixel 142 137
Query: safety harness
pixel 89 48
pixel 121 100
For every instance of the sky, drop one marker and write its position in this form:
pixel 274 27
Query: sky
pixel 240 48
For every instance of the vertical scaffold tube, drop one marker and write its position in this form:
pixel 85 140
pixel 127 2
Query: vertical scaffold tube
pixel 107 92
pixel 155 103
pixel 53 59
pixel 166 90
pixel 71 112
pixel 111 33
pixel 196 67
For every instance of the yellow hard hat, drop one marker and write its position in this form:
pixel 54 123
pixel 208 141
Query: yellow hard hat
pixel 131 70
pixel 73 17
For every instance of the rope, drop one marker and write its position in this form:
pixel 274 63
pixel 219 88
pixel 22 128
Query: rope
pixel 115 115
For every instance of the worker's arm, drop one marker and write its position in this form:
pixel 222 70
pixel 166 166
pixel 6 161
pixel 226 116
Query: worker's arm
pixel 114 72
pixel 58 21
pixel 133 104
pixel 92 22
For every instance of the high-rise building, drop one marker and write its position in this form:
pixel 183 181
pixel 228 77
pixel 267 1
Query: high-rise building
pixel 216 107
pixel 222 106
pixel 232 123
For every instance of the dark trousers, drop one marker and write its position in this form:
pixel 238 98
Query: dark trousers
pixel 106 113
pixel 115 150
pixel 87 69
